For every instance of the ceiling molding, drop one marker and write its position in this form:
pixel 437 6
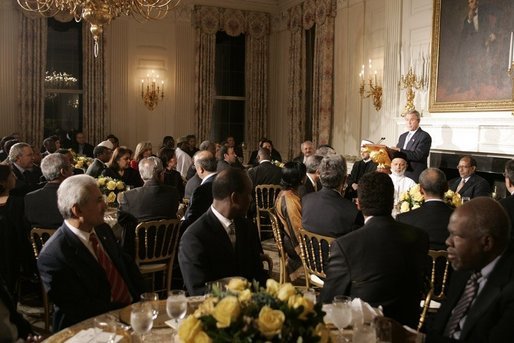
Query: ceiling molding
pixel 270 6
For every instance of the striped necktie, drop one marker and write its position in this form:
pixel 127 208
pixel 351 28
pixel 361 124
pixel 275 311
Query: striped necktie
pixel 119 290
pixel 463 305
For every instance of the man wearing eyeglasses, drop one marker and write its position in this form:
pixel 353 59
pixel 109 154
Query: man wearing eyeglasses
pixel 469 184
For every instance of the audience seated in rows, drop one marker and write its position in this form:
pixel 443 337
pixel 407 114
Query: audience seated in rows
pixel 222 242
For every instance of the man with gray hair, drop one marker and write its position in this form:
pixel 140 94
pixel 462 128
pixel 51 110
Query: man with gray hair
pixel 312 183
pixel 307 148
pixel 154 200
pixel 83 270
pixel 433 216
pixel 21 158
pixel 327 212
pixel 41 205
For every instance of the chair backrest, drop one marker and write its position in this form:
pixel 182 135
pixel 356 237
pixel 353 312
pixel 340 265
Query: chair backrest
pixel 315 251
pixel 39 237
pixel 439 273
pixel 265 196
pixel 280 246
pixel 156 241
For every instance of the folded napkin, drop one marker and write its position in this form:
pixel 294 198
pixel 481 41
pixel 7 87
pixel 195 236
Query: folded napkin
pixel 362 312
pixel 88 335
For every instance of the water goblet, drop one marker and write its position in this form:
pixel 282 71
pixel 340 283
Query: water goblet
pixel 141 319
pixel 176 305
pixel 341 312
pixel 152 298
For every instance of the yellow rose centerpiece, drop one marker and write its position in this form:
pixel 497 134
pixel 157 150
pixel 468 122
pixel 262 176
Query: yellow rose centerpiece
pixel 413 199
pixel 80 161
pixel 243 312
pixel 110 188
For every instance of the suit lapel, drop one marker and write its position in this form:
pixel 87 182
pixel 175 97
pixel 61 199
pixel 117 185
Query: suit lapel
pixel 220 236
pixel 84 259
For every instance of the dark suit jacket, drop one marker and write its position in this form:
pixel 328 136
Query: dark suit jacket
pixel 206 254
pixel 508 205
pixel 275 155
pixel 151 202
pixel 382 263
pixel 476 186
pixel 27 183
pixel 75 281
pixel 87 149
pixel 96 168
pixel 298 158
pixel 41 207
pixel 359 168
pixel 191 185
pixel 307 187
pixel 222 165
pixel 265 173
pixel 199 203
pixel 326 212
pixel 432 217
pixel 491 316
pixel 417 151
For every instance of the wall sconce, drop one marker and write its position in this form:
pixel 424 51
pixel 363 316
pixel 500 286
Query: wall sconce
pixel 151 91
pixel 371 88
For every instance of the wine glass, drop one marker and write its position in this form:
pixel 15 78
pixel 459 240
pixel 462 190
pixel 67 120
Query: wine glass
pixel 176 305
pixel 141 318
pixel 341 312
pixel 152 298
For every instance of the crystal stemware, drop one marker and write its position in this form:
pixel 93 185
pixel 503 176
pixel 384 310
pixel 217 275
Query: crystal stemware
pixel 141 318
pixel 176 305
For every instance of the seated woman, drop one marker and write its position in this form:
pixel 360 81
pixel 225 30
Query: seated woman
pixel 118 168
pixel 143 150
pixel 288 207
pixel 171 176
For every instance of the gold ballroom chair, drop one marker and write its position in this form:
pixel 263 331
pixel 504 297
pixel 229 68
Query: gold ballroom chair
pixel 39 237
pixel 315 251
pixel 438 283
pixel 265 196
pixel 280 247
pixel 156 245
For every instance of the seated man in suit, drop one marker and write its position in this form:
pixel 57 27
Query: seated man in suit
pixel 433 216
pixel 265 173
pixel 21 158
pixel 154 200
pixel 383 262
pixel 228 158
pixel 308 149
pixel 201 200
pixel 222 242
pixel 469 184
pixel 102 153
pixel 327 212
pixel 80 146
pixel 508 202
pixel 83 270
pixel 312 182
pixel 41 205
pixel 359 168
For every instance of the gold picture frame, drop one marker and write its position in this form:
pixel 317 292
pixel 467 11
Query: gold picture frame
pixel 470 58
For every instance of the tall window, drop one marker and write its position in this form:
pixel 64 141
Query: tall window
pixel 63 79
pixel 229 102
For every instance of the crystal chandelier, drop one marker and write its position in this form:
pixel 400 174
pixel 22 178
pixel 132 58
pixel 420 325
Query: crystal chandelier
pixel 100 12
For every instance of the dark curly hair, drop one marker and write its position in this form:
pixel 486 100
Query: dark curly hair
pixel 376 194
pixel 293 174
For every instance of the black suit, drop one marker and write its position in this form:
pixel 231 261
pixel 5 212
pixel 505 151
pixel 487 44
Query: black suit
pixel 491 316
pixel 265 173
pixel 222 165
pixel 96 168
pixel 308 187
pixel 75 281
pixel 383 263
pixel 359 168
pixel 508 205
pixel 206 253
pixel 191 185
pixel 27 181
pixel 199 203
pixel 432 217
pixel 417 151
pixel 253 161
pixel 41 207
pixel 476 186
pixel 327 213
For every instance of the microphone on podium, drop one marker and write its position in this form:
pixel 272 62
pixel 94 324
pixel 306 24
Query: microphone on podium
pixel 381 140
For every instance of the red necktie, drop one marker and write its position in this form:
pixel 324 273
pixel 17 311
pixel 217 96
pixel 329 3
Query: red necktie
pixel 119 290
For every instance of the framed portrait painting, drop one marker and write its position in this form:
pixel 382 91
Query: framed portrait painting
pixel 470 56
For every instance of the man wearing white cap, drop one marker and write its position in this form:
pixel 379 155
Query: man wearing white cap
pixel 102 153
pixel 359 168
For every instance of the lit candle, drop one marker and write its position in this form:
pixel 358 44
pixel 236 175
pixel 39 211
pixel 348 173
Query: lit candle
pixel 510 52
pixel 376 84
